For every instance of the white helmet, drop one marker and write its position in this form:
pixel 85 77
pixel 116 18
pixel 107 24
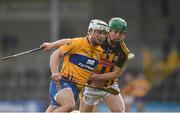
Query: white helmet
pixel 98 25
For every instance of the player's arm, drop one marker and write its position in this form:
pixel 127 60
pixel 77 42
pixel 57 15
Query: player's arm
pixel 66 49
pixel 54 63
pixel 49 45
pixel 108 76
pixel 117 70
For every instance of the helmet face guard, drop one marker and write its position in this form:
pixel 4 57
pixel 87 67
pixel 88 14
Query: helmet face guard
pixel 98 25
pixel 98 31
pixel 118 24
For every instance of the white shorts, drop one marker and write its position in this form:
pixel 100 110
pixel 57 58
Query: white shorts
pixel 93 96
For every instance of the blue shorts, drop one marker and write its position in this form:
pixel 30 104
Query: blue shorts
pixel 63 84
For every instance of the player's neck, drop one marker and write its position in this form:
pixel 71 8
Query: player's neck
pixel 91 41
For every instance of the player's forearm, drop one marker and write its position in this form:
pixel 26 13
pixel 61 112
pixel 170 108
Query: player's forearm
pixel 61 42
pixel 105 76
pixel 48 46
pixel 54 62
pixel 108 76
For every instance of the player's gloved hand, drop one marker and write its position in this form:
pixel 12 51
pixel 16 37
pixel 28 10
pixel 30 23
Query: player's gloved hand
pixel 46 46
pixel 55 77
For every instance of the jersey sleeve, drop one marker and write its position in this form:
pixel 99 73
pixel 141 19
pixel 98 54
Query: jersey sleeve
pixel 71 47
pixel 123 57
pixel 121 61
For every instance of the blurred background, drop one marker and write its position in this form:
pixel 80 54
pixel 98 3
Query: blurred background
pixel 153 36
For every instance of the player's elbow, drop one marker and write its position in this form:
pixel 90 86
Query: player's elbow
pixel 56 54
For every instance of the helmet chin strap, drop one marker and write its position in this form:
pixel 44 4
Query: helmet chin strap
pixel 113 43
pixel 90 38
pixel 109 41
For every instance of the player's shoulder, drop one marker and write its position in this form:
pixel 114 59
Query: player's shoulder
pixel 124 47
pixel 78 40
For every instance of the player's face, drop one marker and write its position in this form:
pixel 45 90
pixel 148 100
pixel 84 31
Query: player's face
pixel 99 36
pixel 116 36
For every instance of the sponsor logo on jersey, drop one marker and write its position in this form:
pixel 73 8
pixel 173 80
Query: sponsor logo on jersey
pixel 83 61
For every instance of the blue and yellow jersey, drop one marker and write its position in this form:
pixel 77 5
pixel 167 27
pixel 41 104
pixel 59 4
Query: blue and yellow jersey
pixel 80 58
pixel 117 55
pixel 140 87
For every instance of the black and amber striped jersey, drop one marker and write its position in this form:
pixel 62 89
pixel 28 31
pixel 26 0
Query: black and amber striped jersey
pixel 112 56
pixel 117 56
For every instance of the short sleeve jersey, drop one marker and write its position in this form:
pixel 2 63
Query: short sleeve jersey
pixel 80 58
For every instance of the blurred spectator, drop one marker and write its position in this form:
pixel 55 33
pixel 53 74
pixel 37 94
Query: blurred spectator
pixel 126 91
pixel 141 87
